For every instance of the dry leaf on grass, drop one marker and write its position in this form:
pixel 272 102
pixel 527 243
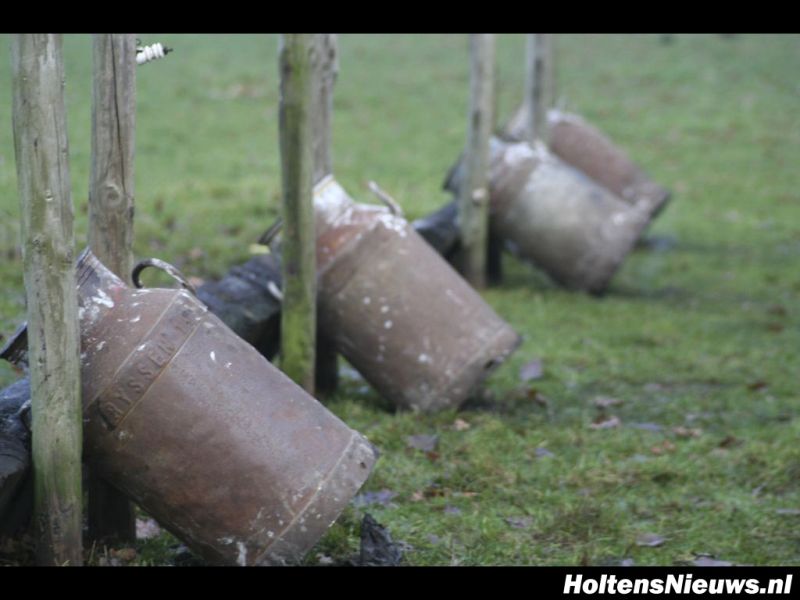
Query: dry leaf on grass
pixel 687 432
pixel 461 425
pixel 604 422
pixel 663 448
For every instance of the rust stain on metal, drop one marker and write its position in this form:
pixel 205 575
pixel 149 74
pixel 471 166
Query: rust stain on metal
pixel 228 454
pixel 400 314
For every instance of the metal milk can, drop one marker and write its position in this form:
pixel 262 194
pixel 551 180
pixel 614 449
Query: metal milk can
pixel 553 215
pixel 198 428
pixel 396 310
pixel 583 146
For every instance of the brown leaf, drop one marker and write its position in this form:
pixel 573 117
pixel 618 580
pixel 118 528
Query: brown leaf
pixel 757 385
pixel 538 397
pixel 532 370
pixel 196 253
pixel 777 310
pixel 663 448
pixel 124 554
pixel 687 432
pixel 729 441
pixel 461 425
pixel 605 422
pixel 650 540
pixel 432 491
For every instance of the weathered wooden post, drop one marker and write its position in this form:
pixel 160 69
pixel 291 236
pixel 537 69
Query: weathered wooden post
pixel 473 198
pixel 299 312
pixel 111 205
pixel 41 148
pixel 539 85
pixel 324 55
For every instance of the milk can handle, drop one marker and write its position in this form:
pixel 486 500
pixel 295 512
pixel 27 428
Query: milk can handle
pixel 164 266
pixel 390 202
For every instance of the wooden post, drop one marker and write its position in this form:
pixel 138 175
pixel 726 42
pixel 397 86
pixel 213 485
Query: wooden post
pixel 325 68
pixel 111 202
pixel 539 85
pixel 299 313
pixel 473 201
pixel 40 144
pixel 111 189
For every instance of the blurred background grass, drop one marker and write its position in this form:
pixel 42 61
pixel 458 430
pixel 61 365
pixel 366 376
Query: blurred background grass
pixel 699 329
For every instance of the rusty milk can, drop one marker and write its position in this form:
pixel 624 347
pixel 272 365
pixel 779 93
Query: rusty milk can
pixel 397 311
pixel 583 146
pixel 575 210
pixel 558 218
pixel 198 428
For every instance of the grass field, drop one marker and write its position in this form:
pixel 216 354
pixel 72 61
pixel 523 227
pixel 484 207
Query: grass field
pixel 698 337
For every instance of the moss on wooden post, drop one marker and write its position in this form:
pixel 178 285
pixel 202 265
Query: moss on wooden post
pixel 111 203
pixel 40 143
pixel 473 200
pixel 299 313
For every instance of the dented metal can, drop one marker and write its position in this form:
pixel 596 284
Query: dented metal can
pixel 396 310
pixel 556 217
pixel 585 147
pixel 198 428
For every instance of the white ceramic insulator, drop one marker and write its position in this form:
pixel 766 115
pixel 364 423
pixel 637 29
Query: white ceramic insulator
pixel 148 53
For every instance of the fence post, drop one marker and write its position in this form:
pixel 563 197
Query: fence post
pixel 473 200
pixel 325 68
pixel 539 85
pixel 299 310
pixel 41 149
pixel 111 205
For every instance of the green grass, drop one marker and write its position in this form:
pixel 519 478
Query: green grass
pixel 701 334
